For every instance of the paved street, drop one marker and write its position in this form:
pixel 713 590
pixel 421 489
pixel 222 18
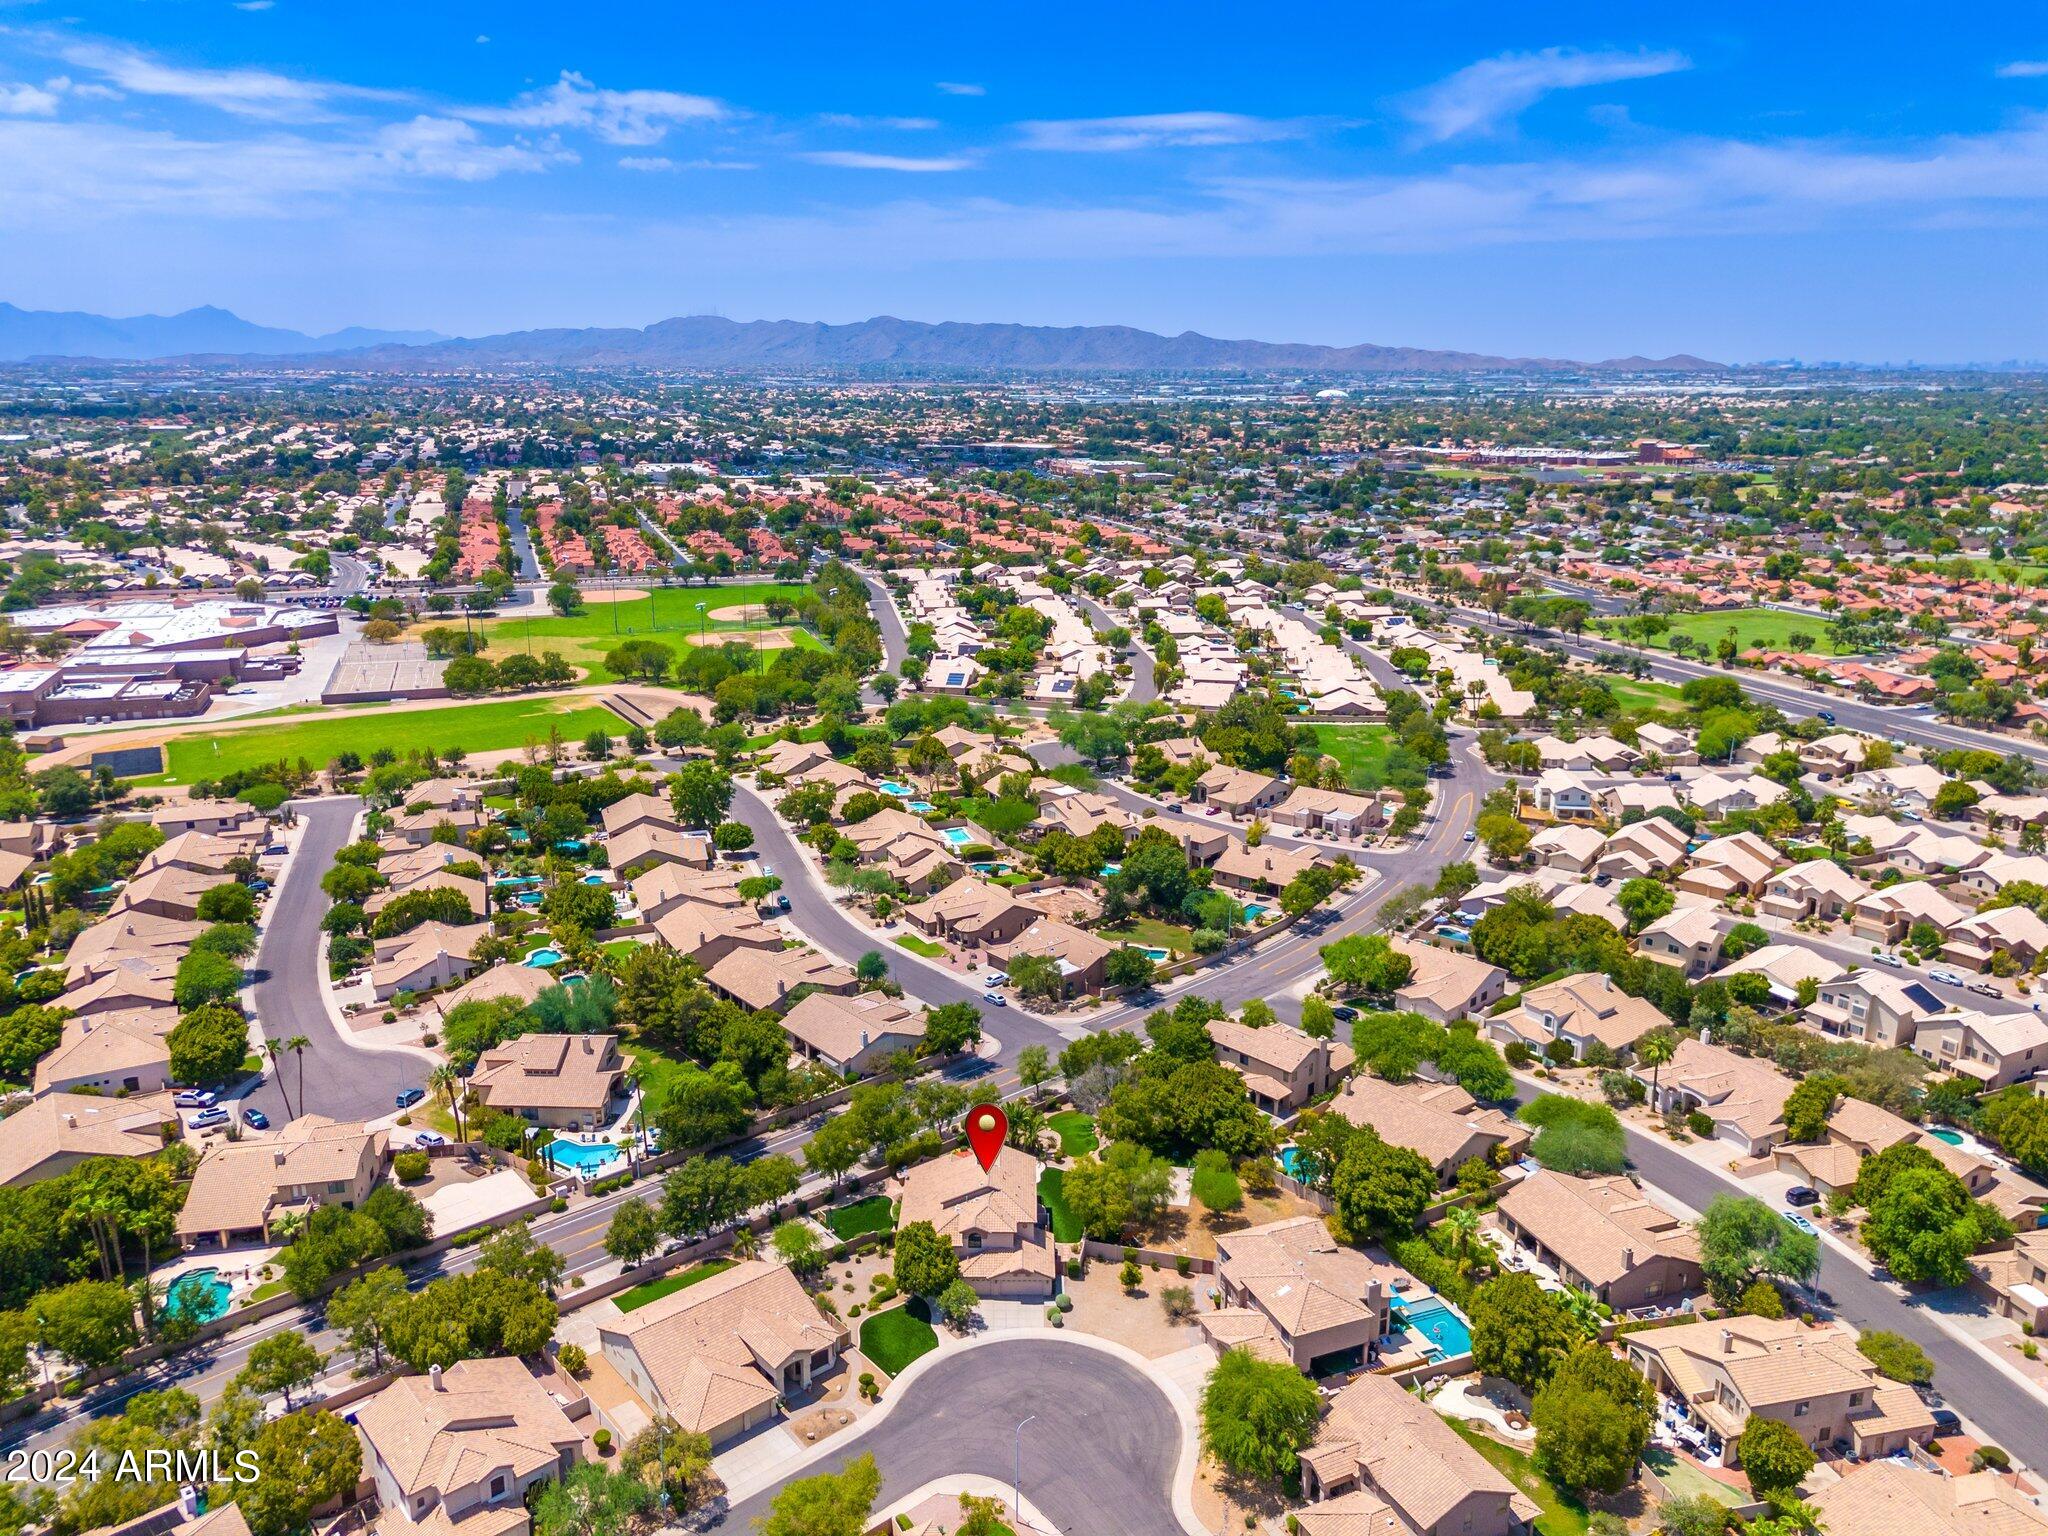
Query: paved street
pixel 340 1078
pixel 1143 690
pixel 1099 1457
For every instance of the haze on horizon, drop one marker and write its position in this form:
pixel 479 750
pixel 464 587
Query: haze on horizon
pixel 1743 185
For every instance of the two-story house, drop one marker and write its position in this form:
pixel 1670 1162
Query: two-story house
pixel 241 1187
pixel 1291 1291
pixel 992 1219
pixel 1282 1067
pixel 566 1082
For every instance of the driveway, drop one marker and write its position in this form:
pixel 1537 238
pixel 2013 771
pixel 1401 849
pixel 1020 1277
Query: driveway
pixel 1105 1438
pixel 341 1079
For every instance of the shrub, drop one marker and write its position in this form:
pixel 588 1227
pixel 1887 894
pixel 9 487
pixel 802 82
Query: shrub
pixel 572 1359
pixel 410 1167
pixel 1064 1302
pixel 1701 1124
pixel 602 1439
pixel 1183 1265
pixel 1131 1276
pixel 1992 1458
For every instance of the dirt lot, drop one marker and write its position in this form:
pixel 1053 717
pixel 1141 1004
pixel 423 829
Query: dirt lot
pixel 1136 1320
pixel 1192 1230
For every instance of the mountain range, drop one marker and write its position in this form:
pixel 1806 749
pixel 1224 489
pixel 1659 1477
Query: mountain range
pixel 881 345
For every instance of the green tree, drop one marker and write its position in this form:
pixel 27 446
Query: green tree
pixel 1258 1415
pixel 464 1317
pixel 1592 1421
pixel 829 1504
pixel 1925 1226
pixel 283 1363
pixel 951 1027
pixel 1519 1331
pixel 514 1252
pixel 595 1500
pixel 1379 1188
pixel 701 793
pixel 1773 1456
pixel 1367 962
pixel 925 1263
pixel 303 1460
pixel 1808 1106
pixel 797 1245
pixel 1897 1357
pixel 361 1308
pixel 1643 901
pixel 633 1233
pixel 209 1044
pixel 1741 1239
pixel 91 1323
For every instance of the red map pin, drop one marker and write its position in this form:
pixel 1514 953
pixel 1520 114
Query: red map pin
pixel 987 1125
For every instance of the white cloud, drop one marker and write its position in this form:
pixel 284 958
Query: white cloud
pixel 258 93
pixel 899 124
pixel 617 117
pixel 1485 95
pixel 254 5
pixel 663 163
pixel 960 88
pixel 1159 130
pixel 860 160
pixel 33 100
pixel 2023 69
pixel 450 149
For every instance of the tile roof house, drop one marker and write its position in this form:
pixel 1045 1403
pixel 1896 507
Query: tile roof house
pixel 1579 1010
pixel 1290 1291
pixel 1446 985
pixel 991 1218
pixel 1282 1067
pixel 2017 931
pixel 767 978
pixel 431 955
pixel 647 843
pixel 52 1134
pixel 241 1187
pixel 123 1050
pixel 1083 958
pixel 1440 1122
pixel 1237 791
pixel 1687 937
pixel 1744 1097
pixel 1728 866
pixel 1264 870
pixel 1384 1464
pixel 852 1034
pixel 1887 916
pixel 1873 1006
pixel 1996 1049
pixel 1605 1237
pixel 1813 1380
pixel 1336 812
pixel 566 1082
pixel 970 912
pixel 1882 1498
pixel 718 1356
pixel 1818 888
pixel 455 1450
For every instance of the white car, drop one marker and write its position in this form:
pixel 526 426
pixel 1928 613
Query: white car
pixel 1886 957
pixel 1946 978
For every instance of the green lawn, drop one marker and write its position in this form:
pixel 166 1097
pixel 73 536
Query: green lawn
pixel 1634 693
pixel 1359 749
pixel 490 726
pixel 918 946
pixel 654 1290
pixel 619 949
pixel 894 1338
pixel 1052 1190
pixel 1769 628
pixel 1562 1514
pixel 874 1214
pixel 1151 932
pixel 668 614
pixel 658 1073
pixel 1683 1480
pixel 1076 1132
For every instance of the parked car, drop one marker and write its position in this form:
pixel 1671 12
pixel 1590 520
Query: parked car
pixel 429 1139
pixel 1886 957
pixel 1344 1013
pixel 995 999
pixel 1946 978
pixel 1801 1223
pixel 407 1097
pixel 1946 1422
pixel 195 1098
pixel 256 1120
pixel 781 902
pixel 207 1119
pixel 1800 1194
pixel 1983 989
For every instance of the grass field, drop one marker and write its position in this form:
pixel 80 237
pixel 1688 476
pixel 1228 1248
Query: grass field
pixel 1357 748
pixel 874 1214
pixel 918 946
pixel 1052 1189
pixel 1076 1132
pixel 894 1338
pixel 654 1290
pixel 667 614
pixel 1633 693
pixel 1683 1480
pixel 1768 628
pixel 1562 1514
pixel 1150 932
pixel 658 1073
pixel 490 726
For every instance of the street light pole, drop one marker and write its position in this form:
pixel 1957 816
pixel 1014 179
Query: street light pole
pixel 1017 1475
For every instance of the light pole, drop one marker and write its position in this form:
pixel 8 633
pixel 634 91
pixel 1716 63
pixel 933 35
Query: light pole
pixel 703 621
pixel 1017 1475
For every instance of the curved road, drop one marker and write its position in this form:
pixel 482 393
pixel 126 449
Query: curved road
pixel 1100 1455
pixel 1143 689
pixel 340 1078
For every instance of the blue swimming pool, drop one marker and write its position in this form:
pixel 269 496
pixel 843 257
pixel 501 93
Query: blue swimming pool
pixel 1953 1138
pixel 1112 869
pixel 1253 911
pixel 959 837
pixel 1289 1156
pixel 919 807
pixel 1158 956
pixel 582 1157
pixel 1433 1318
pixel 543 957
pixel 596 879
pixel 198 1296
pixel 892 787
pixel 990 868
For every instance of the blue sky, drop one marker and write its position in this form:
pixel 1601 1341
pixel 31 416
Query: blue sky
pixel 1742 182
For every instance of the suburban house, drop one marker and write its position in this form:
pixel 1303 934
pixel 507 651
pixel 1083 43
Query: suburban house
pixel 1264 870
pixel 1082 957
pixel 1440 1122
pixel 1785 968
pixel 760 979
pixel 971 913
pixel 1640 849
pixel 1882 1498
pixel 638 811
pixel 1237 792
pixel 455 1451
pixel 1978 939
pixel 991 1218
pixel 54 1133
pixel 1887 916
pixel 1728 866
pixel 1563 795
pixel 1446 985
pixel 719 1355
pixel 1744 1097
pixel 1571 847
pixel 566 1082
pixel 1384 1463
pixel 1687 937
pixel 1580 1011
pixel 647 843
pixel 1291 1292
pixel 123 1051
pixel 241 1187
pixel 1994 1048
pixel 1873 1006
pixel 1811 1379
pixel 1336 812
pixel 423 958
pixel 1282 1067
pixel 1605 1237
pixel 852 1034
pixel 1818 888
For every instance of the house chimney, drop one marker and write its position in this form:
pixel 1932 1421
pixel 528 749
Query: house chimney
pixel 1727 1341
pixel 70 1120
pixel 586 1045
pixel 277 1157
pixel 189 1502
pixel 1628 1258
pixel 863 1039
pixel 434 1372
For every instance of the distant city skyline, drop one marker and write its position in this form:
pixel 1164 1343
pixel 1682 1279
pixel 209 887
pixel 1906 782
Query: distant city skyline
pixel 1586 181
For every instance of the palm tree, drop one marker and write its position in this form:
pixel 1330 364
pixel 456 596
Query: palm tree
pixel 297 1046
pixel 446 1081
pixel 1656 1048
pixel 275 1048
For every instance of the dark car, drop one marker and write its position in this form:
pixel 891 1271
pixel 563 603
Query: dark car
pixel 1346 1014
pixel 407 1097
pixel 1824 716
pixel 1946 1422
pixel 1800 1194
pixel 255 1119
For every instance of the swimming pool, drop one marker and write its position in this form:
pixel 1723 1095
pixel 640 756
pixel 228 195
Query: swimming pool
pixel 959 837
pixel 519 882
pixel 899 790
pixel 584 1157
pixel 1953 1138
pixel 543 957
pixel 1112 869
pixel 1253 911
pixel 920 807
pixel 1158 956
pixel 597 879
pixel 198 1296
pixel 990 868
pixel 1433 1318
pixel 1289 1156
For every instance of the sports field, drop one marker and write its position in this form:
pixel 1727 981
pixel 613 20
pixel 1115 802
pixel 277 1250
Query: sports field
pixel 1765 628
pixel 667 614
pixel 1355 747
pixel 491 726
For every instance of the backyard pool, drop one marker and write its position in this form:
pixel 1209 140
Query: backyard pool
pixel 959 837
pixel 1158 956
pixel 584 1157
pixel 1433 1318
pixel 1112 869
pixel 1288 1157
pixel 597 879
pixel 892 787
pixel 1253 911
pixel 198 1296
pixel 543 957
pixel 990 869
pixel 919 807
pixel 1953 1138
pixel 519 882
